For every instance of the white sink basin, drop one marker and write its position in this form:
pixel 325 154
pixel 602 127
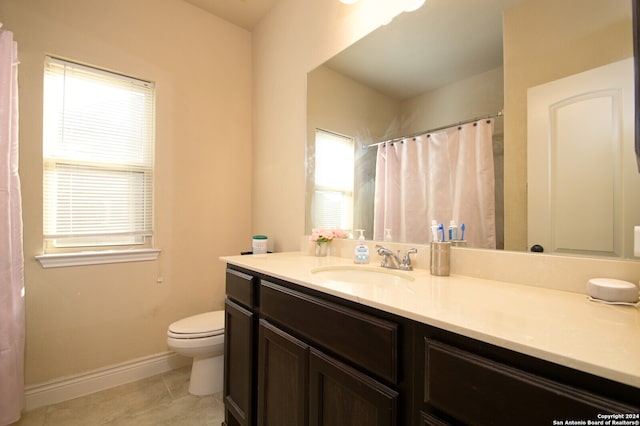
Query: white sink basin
pixel 361 274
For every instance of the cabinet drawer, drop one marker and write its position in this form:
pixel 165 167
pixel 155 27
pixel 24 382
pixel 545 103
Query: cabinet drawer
pixel 480 391
pixel 362 339
pixel 241 287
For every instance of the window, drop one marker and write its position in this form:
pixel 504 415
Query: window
pixel 333 181
pixel 98 137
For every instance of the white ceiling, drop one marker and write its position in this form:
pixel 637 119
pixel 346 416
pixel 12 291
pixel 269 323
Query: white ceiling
pixel 443 42
pixel 243 13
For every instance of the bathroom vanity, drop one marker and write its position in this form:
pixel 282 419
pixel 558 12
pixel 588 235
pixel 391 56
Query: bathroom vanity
pixel 304 346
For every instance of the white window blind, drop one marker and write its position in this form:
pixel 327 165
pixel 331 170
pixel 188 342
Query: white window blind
pixel 333 181
pixel 98 138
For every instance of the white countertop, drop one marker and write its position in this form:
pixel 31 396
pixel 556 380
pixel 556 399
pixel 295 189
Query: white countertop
pixel 562 327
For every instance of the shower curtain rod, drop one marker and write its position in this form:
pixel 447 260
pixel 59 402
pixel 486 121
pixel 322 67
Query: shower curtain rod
pixel 459 123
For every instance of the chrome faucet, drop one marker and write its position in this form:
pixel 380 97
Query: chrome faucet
pixel 392 261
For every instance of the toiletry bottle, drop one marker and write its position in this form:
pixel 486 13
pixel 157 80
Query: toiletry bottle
pixel 361 254
pixel 259 244
pixel 453 231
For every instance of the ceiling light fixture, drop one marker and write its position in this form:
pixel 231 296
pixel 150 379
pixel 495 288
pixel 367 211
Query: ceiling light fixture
pixel 414 6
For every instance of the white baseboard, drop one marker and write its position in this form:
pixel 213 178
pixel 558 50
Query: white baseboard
pixel 89 382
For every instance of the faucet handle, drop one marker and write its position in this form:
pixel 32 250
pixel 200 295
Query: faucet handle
pixel 406 260
pixel 382 250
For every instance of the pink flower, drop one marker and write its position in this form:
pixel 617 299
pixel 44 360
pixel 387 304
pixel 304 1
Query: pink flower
pixel 339 233
pixel 322 235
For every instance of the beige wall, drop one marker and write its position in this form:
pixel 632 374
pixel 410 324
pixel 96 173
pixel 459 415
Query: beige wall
pixel 346 106
pixel 539 47
pixel 82 318
pixel 474 96
pixel 295 38
pixel 340 104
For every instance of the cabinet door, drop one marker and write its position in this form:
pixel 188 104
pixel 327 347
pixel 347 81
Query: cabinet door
pixel 340 395
pixel 282 378
pixel 238 365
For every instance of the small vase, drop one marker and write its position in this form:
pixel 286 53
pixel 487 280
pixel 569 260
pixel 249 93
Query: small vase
pixel 322 249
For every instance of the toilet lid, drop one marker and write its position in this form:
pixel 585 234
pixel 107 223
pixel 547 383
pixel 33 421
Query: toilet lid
pixel 201 325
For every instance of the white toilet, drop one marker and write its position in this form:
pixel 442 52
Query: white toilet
pixel 201 337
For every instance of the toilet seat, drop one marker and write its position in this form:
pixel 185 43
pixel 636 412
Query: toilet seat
pixel 198 326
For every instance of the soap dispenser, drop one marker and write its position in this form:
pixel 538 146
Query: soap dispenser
pixel 361 254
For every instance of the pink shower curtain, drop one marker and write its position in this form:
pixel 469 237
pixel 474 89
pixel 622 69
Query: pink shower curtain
pixel 11 255
pixel 440 176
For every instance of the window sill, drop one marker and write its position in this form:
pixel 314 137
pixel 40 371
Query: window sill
pixel 58 260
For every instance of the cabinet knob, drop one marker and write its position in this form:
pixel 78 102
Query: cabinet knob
pixel 537 248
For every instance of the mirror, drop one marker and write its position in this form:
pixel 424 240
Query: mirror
pixel 452 61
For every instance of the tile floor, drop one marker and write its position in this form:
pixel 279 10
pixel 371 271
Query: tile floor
pixel 159 400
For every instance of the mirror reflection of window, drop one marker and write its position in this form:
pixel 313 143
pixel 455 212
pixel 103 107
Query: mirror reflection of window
pixel 333 181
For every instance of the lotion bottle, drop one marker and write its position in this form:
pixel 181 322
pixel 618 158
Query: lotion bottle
pixel 361 254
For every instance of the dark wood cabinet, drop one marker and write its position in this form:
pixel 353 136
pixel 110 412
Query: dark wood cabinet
pixel 301 380
pixel 295 356
pixel 239 343
pixel 300 385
